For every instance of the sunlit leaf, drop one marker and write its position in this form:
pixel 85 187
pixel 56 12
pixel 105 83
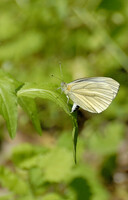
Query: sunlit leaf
pixel 46 92
pixel 8 102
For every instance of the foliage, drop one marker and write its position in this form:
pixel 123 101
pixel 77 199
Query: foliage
pixel 41 170
pixel 90 39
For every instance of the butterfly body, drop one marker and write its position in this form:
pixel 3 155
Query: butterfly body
pixel 92 94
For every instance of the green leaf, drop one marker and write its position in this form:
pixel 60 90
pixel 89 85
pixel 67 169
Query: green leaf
pixel 36 177
pixel 46 92
pixel 8 27
pixel 25 154
pixel 86 176
pixel 56 164
pixel 108 168
pixel 111 5
pixel 26 44
pixel 75 133
pixel 13 182
pixel 6 196
pixel 82 188
pixel 52 196
pixel 107 143
pixel 29 105
pixel 8 101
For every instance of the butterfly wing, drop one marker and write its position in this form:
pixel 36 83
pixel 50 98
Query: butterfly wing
pixel 93 94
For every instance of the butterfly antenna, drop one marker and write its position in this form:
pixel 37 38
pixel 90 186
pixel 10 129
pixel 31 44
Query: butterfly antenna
pixel 56 77
pixel 61 73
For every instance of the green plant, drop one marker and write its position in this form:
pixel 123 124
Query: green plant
pixel 13 93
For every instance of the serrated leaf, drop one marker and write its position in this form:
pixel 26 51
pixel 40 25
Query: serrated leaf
pixel 29 105
pixel 8 102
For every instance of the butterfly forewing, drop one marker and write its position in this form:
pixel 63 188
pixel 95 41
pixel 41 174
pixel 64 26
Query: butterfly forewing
pixel 93 94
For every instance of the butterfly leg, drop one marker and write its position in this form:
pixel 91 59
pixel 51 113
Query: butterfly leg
pixel 67 99
pixel 58 88
pixel 74 107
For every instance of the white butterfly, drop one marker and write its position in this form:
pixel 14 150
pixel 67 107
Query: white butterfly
pixel 92 94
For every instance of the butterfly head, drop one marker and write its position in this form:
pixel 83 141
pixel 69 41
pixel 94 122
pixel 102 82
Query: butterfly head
pixel 63 86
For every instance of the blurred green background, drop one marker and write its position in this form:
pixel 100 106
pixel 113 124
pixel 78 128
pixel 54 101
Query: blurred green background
pixel 89 38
